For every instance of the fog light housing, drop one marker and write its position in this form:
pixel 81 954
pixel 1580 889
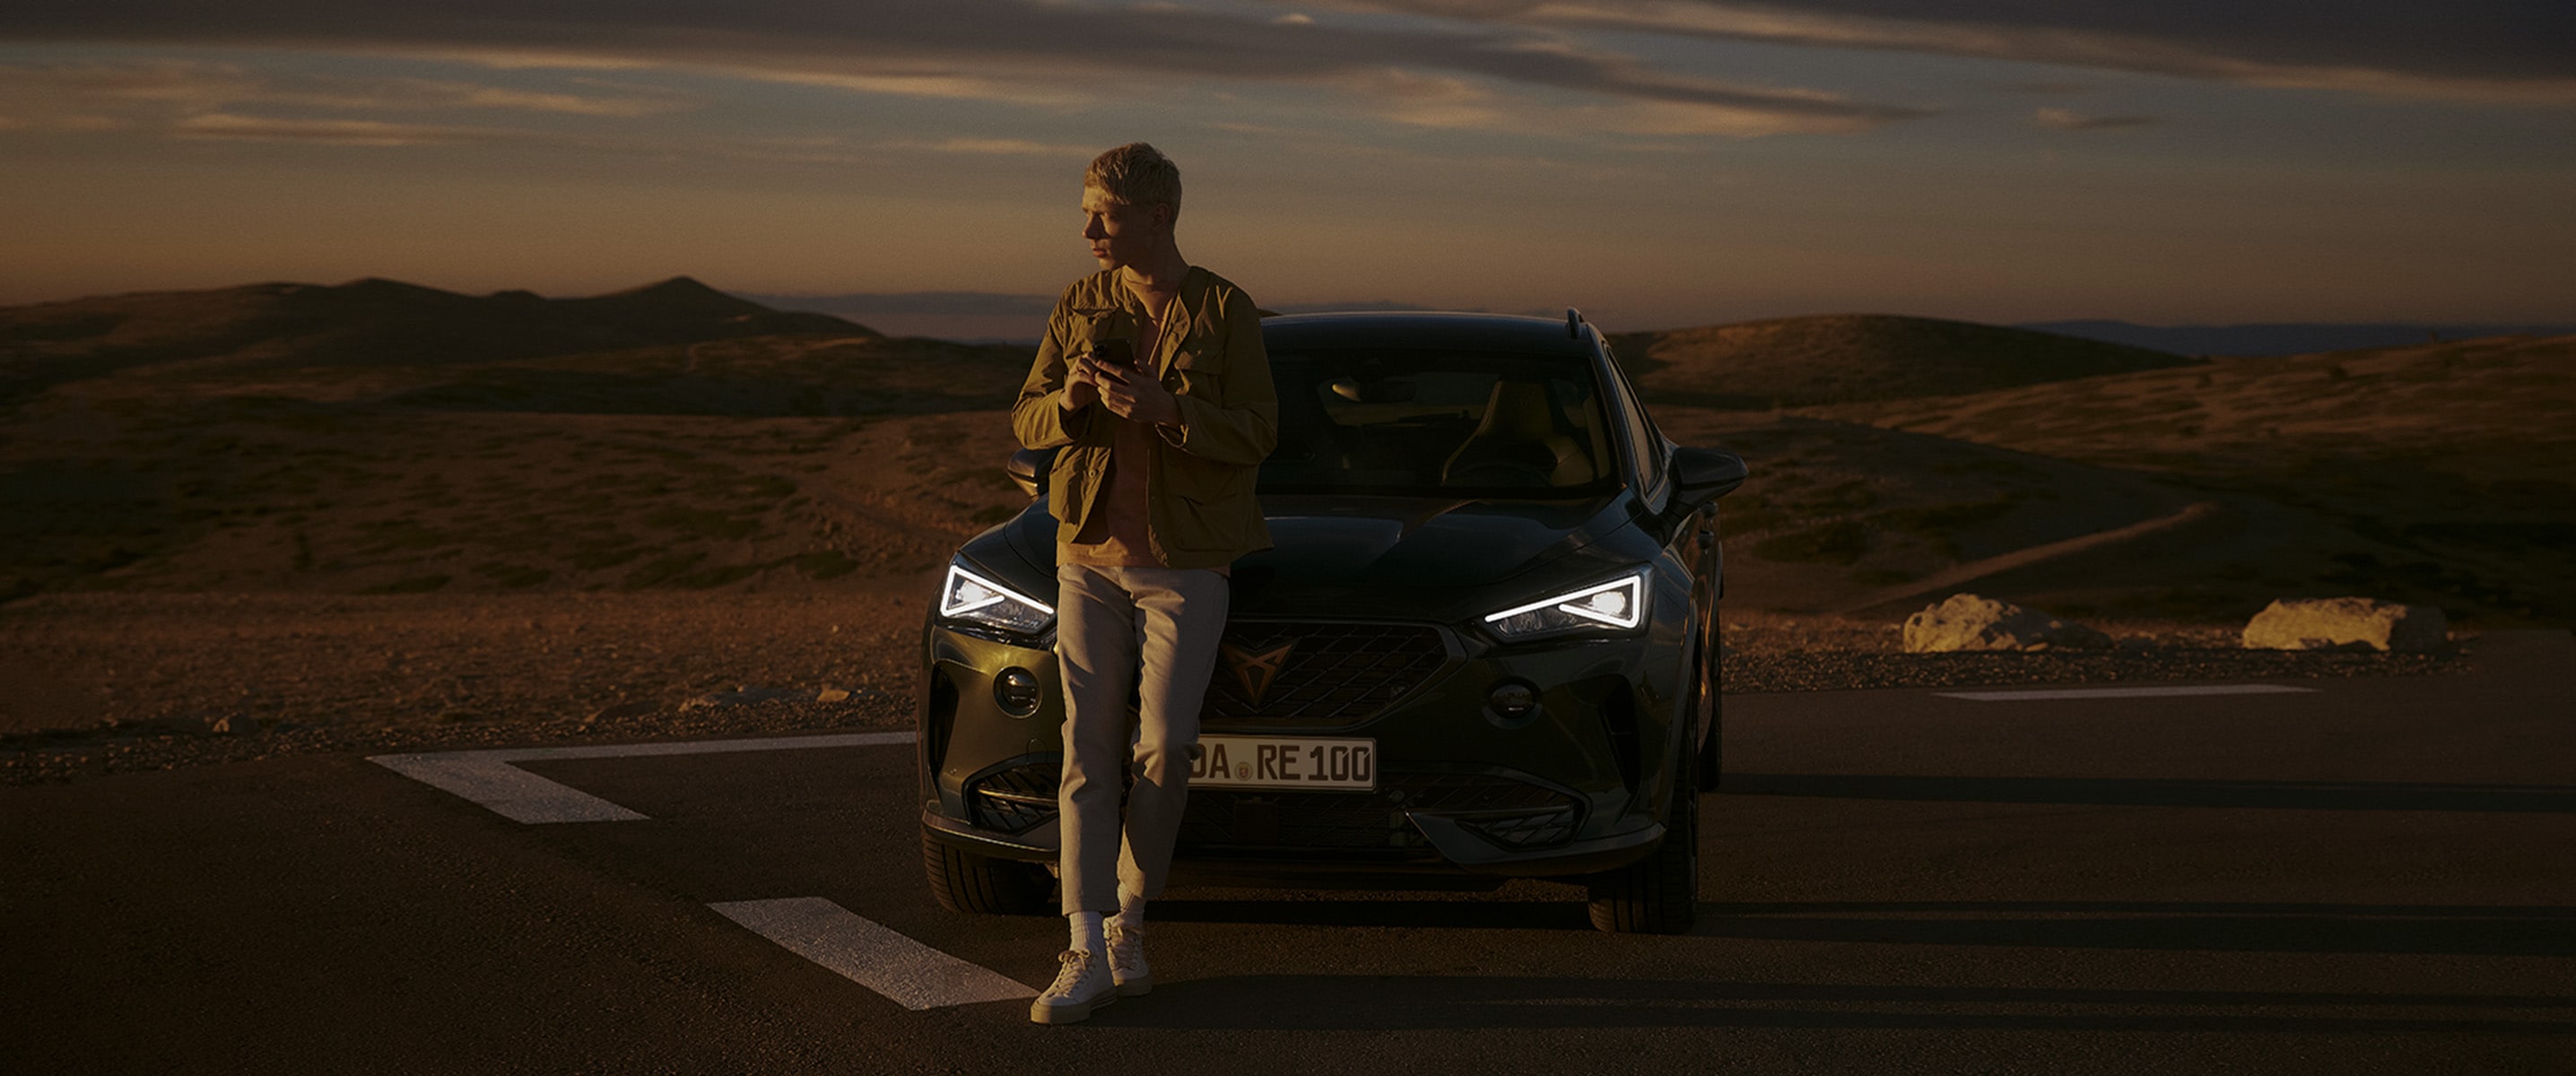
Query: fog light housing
pixel 1016 692
pixel 1512 704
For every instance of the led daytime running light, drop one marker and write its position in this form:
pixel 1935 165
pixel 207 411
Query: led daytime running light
pixel 1626 612
pixel 992 594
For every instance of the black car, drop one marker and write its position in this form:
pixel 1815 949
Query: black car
pixel 1484 646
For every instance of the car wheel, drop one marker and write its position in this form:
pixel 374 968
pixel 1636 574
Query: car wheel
pixel 1660 893
pixel 1710 699
pixel 965 882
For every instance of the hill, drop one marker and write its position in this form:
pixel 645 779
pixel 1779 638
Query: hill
pixel 380 437
pixel 2443 473
pixel 252 444
pixel 1845 358
pixel 2281 338
pixel 370 321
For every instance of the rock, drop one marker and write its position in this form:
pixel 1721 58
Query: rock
pixel 234 725
pixel 2346 624
pixel 1969 622
pixel 832 694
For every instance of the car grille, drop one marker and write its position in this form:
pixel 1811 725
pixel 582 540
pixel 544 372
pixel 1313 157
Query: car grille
pixel 1510 812
pixel 1332 675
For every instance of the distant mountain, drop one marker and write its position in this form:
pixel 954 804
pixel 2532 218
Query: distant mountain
pixel 982 317
pixel 2282 338
pixel 962 316
pixel 365 322
pixel 1846 358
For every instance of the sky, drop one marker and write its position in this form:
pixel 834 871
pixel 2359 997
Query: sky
pixel 1658 163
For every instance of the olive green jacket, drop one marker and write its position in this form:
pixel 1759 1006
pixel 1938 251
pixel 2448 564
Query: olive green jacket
pixel 1200 508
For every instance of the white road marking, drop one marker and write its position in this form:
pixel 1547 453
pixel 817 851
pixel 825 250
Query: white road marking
pixel 914 975
pixel 2125 692
pixel 490 778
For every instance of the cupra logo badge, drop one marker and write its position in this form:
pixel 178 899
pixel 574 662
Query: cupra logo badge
pixel 1256 672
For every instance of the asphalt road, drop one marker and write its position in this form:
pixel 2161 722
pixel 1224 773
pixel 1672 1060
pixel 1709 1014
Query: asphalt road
pixel 2376 875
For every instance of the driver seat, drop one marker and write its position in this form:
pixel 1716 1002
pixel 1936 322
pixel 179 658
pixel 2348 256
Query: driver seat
pixel 1517 444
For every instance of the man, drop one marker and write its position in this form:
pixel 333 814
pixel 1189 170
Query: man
pixel 1153 381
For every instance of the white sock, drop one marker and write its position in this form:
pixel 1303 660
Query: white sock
pixel 1087 934
pixel 1131 911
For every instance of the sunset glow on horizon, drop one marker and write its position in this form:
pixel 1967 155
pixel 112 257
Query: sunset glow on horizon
pixel 1657 162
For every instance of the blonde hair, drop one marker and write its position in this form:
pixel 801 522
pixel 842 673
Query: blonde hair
pixel 1136 174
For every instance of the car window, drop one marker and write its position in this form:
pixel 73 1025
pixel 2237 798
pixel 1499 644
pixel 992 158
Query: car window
pixel 1645 445
pixel 1430 423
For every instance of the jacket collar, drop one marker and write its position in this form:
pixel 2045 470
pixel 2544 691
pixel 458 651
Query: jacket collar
pixel 1179 316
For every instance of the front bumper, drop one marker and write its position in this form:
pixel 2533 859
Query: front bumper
pixel 1578 788
pixel 1453 848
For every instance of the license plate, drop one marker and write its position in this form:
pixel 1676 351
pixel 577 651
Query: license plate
pixel 1310 762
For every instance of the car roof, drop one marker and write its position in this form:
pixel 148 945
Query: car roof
pixel 1413 328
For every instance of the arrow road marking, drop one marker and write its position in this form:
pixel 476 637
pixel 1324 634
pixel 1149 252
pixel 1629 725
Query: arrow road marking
pixel 913 975
pixel 2125 692
pixel 490 777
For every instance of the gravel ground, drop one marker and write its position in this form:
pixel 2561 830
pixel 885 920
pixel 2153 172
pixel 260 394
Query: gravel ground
pixel 106 684
pixel 1781 653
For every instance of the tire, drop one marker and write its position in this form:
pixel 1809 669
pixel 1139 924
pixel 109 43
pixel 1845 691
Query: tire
pixel 1709 697
pixel 965 882
pixel 1660 893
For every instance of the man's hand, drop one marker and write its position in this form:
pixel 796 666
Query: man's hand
pixel 1081 384
pixel 1134 394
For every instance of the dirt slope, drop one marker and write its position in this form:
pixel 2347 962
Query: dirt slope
pixel 382 438
pixel 1794 362
pixel 2439 473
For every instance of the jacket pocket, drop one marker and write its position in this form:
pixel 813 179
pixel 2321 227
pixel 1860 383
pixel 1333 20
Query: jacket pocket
pixel 1211 502
pixel 1209 525
pixel 1069 484
pixel 1201 372
pixel 1085 325
pixel 1201 479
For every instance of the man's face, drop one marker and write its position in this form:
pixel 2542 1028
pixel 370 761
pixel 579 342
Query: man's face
pixel 1119 234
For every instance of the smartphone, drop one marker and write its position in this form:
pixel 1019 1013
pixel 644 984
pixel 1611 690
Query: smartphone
pixel 1115 353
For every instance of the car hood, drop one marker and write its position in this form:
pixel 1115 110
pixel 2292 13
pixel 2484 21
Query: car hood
pixel 1415 542
pixel 1332 552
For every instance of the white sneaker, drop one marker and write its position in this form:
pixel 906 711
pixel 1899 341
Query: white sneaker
pixel 1127 965
pixel 1081 985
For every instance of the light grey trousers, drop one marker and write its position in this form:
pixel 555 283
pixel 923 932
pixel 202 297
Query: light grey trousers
pixel 1114 625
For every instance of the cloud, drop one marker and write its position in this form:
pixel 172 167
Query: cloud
pixel 2503 51
pixel 221 125
pixel 1450 103
pixel 1044 52
pixel 2069 120
pixel 204 100
pixel 2044 88
pixel 1008 147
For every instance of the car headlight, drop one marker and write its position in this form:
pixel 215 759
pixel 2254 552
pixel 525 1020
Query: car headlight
pixel 971 597
pixel 1617 605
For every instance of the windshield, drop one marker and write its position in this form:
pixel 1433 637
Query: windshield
pixel 1434 423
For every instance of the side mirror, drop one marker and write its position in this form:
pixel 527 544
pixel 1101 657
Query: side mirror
pixel 1701 475
pixel 1028 469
